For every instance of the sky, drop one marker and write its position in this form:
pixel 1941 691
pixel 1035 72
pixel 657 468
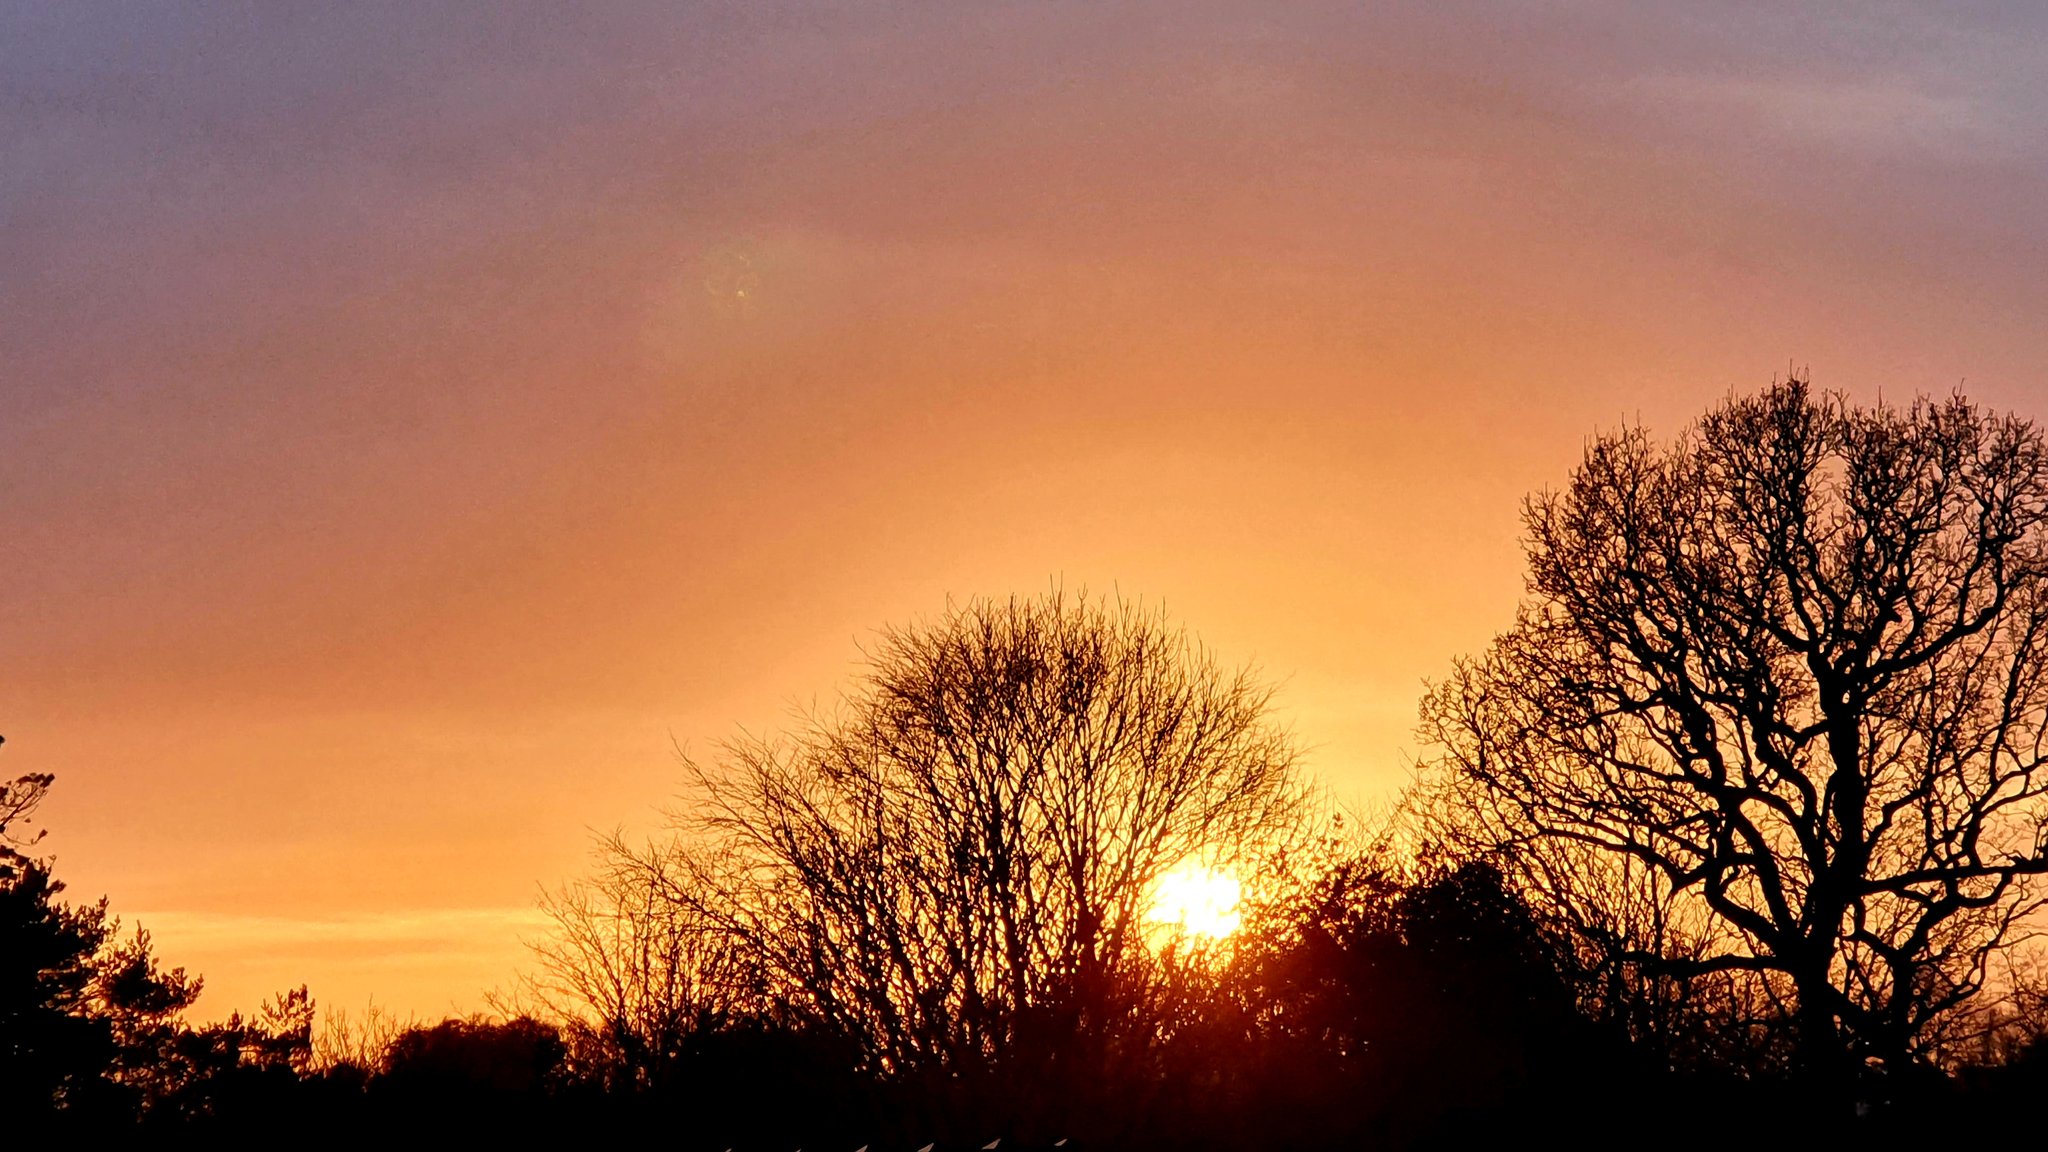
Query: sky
pixel 417 421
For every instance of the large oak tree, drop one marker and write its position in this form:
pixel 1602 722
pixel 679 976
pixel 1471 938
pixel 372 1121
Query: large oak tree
pixel 1773 714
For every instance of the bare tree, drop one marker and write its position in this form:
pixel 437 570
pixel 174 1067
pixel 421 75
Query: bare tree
pixel 634 973
pixel 952 868
pixel 357 1040
pixel 19 799
pixel 1774 712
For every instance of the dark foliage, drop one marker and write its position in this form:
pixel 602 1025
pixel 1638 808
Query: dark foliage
pixel 91 1031
pixel 57 1049
pixel 1376 1011
pixel 1397 1013
pixel 477 1060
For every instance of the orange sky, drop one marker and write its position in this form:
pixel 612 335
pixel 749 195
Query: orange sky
pixel 392 472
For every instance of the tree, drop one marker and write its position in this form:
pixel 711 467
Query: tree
pixel 476 1059
pixel 245 1073
pixel 1396 1003
pixel 91 1024
pixel 951 870
pixel 85 1015
pixel 1773 715
pixel 637 977
pixel 19 799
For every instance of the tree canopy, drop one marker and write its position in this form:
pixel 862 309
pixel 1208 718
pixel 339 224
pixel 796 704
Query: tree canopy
pixel 1772 718
pixel 952 867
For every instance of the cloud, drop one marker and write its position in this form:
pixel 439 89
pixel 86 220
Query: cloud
pixel 398 937
pixel 1886 116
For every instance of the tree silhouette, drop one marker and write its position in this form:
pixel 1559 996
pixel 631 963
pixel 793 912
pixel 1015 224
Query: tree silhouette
pixel 638 977
pixel 54 1050
pixel 1772 719
pixel 86 1016
pixel 19 799
pixel 481 1059
pixel 951 870
pixel 91 1025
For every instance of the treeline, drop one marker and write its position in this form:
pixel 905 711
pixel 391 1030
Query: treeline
pixel 1428 1013
pixel 1736 836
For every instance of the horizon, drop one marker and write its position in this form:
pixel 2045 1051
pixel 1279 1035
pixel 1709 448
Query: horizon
pixel 415 426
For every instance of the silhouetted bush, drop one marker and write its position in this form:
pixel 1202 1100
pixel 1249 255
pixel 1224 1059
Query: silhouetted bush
pixel 477 1058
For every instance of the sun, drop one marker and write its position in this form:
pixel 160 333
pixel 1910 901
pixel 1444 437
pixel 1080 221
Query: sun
pixel 1197 900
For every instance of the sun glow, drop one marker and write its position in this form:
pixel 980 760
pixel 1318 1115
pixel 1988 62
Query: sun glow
pixel 1197 900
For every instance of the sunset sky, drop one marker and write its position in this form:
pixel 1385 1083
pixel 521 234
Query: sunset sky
pixel 416 420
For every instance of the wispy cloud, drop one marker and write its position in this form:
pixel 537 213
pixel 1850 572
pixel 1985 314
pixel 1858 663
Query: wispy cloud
pixel 443 931
pixel 1886 116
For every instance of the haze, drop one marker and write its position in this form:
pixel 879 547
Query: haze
pixel 416 420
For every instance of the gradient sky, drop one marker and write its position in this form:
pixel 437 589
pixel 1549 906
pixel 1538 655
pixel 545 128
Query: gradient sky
pixel 392 469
